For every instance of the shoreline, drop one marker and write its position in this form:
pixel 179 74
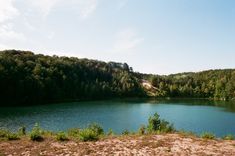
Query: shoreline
pixel 149 98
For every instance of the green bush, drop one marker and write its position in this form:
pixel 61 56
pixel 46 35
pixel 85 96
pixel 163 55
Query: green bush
pixel 141 130
pixel 155 124
pixel 36 133
pixel 125 132
pixel 208 135
pixel 73 132
pixel 12 136
pixel 4 133
pixel 165 126
pixel 88 135
pixel 96 128
pixel 22 131
pixel 61 136
pixel 228 137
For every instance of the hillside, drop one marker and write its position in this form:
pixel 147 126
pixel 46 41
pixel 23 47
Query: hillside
pixel 27 78
pixel 214 84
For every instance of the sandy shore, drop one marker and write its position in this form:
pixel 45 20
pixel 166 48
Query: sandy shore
pixel 168 144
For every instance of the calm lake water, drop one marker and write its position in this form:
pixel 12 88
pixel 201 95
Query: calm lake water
pixel 191 115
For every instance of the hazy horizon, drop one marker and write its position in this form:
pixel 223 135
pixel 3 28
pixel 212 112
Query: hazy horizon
pixel 154 36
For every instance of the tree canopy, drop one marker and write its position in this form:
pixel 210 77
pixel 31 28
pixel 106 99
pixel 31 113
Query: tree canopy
pixel 26 78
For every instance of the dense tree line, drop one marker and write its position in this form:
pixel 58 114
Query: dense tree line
pixel 26 78
pixel 217 84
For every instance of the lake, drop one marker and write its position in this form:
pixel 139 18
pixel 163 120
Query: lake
pixel 191 115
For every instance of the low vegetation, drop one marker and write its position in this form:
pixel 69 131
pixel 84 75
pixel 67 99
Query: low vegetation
pixel 94 132
pixel 228 137
pixel 155 124
pixel 61 136
pixel 208 135
pixel 36 133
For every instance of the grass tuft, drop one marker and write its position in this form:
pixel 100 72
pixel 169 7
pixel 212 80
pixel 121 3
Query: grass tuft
pixel 228 137
pixel 208 135
pixel 61 136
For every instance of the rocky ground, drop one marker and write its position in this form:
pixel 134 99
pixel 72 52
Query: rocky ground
pixel 168 144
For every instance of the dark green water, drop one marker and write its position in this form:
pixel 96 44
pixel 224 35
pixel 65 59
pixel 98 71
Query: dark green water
pixel 191 115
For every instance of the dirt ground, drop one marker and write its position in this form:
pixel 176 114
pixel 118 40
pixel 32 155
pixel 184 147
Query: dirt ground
pixel 168 144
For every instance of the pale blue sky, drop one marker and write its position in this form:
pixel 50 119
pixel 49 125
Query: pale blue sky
pixel 152 36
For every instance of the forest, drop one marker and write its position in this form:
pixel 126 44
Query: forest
pixel 28 78
pixel 213 84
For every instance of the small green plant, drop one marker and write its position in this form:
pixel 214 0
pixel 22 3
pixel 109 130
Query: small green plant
pixel 22 131
pixel 125 132
pixel 73 132
pixel 110 132
pixel 155 124
pixel 12 136
pixel 96 128
pixel 4 133
pixel 88 135
pixel 228 137
pixel 166 127
pixel 61 136
pixel 36 133
pixel 141 130
pixel 208 135
pixel 187 133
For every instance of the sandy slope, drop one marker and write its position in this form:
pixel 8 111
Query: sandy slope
pixel 169 144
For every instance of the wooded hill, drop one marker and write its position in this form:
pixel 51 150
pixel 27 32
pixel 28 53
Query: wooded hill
pixel 27 78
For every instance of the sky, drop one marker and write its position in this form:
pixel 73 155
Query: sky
pixel 152 36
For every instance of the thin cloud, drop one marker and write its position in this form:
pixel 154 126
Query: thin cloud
pixel 44 6
pixel 7 10
pixel 85 8
pixel 8 34
pixel 127 40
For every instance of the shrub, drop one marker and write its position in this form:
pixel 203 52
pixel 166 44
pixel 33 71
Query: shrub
pixel 74 132
pixel 125 132
pixel 165 126
pixel 155 124
pixel 96 128
pixel 110 132
pixel 36 133
pixel 141 130
pixel 22 131
pixel 88 135
pixel 208 135
pixel 61 136
pixel 228 137
pixel 4 133
pixel 12 136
